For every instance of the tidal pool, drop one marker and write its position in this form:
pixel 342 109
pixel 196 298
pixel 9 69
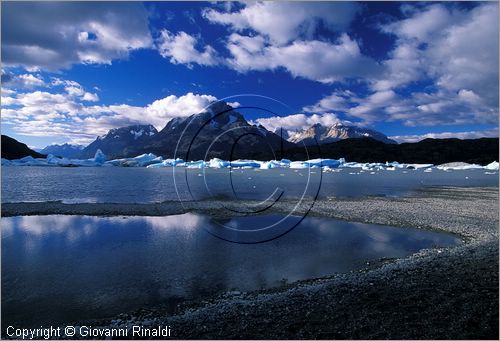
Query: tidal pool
pixel 58 269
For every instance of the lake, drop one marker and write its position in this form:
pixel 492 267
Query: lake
pixel 145 185
pixel 58 269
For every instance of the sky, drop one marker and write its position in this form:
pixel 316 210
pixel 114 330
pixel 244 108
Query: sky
pixel 73 70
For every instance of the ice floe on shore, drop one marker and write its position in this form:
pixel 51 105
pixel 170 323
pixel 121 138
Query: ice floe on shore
pixel 150 160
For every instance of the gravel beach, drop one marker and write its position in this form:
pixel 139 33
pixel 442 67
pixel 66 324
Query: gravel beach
pixel 434 294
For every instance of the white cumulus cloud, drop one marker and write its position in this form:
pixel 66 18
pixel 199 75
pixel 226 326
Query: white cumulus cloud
pixel 181 48
pixel 286 21
pixel 90 97
pixel 336 101
pixel 457 49
pixel 453 50
pixel 69 115
pixel 297 121
pixel 55 35
pixel 316 60
pixel 161 111
pixel 279 36
pixel 22 81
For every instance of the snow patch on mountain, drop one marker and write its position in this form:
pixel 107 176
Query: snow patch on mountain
pixel 320 134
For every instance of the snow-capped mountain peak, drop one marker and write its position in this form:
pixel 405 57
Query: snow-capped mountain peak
pixel 63 150
pixel 117 140
pixel 136 131
pixel 318 133
pixel 142 131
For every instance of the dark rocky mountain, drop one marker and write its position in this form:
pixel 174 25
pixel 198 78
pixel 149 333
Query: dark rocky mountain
pixel 322 134
pixel 219 132
pixel 13 149
pixel 63 150
pixel 436 151
pixel 120 142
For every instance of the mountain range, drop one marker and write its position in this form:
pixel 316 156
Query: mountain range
pixel 219 127
pixel 221 132
pixel 436 151
pixel 321 134
pixel 218 132
pixel 120 142
pixel 63 150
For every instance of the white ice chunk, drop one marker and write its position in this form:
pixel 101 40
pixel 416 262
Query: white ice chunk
pixel 142 160
pixel 218 163
pixel 332 163
pixel 458 166
pixel 245 164
pixel 99 157
pixel 418 165
pixel 492 166
pixel 167 163
pixel 196 164
pixel 298 165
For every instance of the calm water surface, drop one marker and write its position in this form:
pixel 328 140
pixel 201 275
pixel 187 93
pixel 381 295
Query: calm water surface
pixel 113 184
pixel 58 269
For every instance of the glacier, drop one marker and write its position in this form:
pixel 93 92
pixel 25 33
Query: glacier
pixel 150 160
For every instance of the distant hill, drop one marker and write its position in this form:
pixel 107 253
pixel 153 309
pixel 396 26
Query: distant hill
pixel 321 134
pixel 437 151
pixel 13 149
pixel 63 150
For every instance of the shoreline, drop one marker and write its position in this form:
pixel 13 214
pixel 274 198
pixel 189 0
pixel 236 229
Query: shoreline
pixel 436 293
pixel 417 209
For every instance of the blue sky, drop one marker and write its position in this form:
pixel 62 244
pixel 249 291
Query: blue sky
pixel 72 71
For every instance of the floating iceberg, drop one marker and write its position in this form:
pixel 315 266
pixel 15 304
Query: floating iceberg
pixel 142 160
pixel 275 164
pixel 458 166
pixel 418 165
pixel 245 164
pixel 196 164
pixel 298 165
pixel 150 160
pixel 492 166
pixel 54 161
pixel 167 163
pixel 99 157
pixel 64 162
pixel 31 161
pixel 370 166
pixel 317 163
pixel 218 163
